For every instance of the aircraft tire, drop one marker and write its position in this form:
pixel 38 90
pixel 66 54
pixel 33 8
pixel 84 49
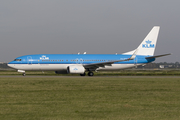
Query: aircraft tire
pixel 90 73
pixel 24 74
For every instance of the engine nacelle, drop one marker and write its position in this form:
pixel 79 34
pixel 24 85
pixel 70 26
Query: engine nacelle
pixel 61 72
pixel 76 69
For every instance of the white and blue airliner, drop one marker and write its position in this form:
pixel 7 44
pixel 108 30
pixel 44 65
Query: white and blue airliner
pixel 82 63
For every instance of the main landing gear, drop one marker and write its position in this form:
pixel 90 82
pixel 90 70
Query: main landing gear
pixel 89 74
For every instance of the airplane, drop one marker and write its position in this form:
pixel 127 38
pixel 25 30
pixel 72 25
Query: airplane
pixel 82 63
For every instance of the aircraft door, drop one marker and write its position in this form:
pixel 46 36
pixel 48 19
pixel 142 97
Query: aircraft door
pixel 29 60
pixel 135 60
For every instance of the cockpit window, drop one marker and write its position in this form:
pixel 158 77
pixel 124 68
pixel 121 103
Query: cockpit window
pixel 17 60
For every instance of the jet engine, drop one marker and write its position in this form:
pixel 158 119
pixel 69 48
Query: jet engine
pixel 76 69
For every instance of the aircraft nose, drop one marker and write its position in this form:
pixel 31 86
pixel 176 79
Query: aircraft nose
pixel 10 64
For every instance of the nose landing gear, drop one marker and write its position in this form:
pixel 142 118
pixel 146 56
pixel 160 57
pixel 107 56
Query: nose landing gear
pixel 24 74
pixel 22 71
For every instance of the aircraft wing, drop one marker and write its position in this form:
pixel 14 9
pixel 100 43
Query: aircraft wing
pixel 103 64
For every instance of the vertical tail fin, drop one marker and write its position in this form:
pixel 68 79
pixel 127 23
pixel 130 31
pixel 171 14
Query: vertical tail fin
pixel 148 45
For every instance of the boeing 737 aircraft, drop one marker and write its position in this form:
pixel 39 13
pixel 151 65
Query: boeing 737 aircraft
pixel 82 63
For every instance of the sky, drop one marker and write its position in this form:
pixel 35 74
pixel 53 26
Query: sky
pixel 92 26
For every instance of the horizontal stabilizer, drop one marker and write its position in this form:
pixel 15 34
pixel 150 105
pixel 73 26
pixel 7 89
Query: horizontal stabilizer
pixel 157 56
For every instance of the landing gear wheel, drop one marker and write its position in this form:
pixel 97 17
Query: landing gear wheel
pixel 83 74
pixel 90 73
pixel 24 74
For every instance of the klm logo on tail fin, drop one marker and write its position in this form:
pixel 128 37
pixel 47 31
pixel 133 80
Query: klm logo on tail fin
pixel 148 45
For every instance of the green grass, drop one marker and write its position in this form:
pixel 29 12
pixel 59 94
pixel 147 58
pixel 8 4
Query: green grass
pixel 89 98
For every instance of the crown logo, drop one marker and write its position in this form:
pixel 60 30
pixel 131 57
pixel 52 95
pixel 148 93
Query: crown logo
pixel 148 42
pixel 75 69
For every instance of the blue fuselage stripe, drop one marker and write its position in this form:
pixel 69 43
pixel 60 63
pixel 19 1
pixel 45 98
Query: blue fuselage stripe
pixel 78 59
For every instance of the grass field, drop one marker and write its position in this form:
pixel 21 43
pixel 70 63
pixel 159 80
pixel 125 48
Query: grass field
pixel 89 98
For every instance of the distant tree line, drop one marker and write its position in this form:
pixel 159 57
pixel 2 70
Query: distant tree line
pixel 4 66
pixel 161 65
